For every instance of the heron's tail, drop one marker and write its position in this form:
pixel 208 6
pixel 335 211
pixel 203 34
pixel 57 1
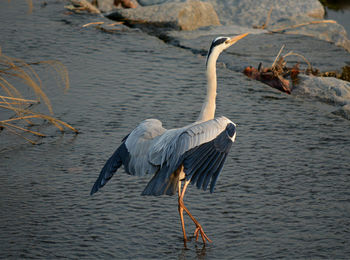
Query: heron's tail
pixel 110 168
pixel 163 183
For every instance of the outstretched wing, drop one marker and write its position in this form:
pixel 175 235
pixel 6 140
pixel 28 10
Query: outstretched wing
pixel 201 148
pixel 132 153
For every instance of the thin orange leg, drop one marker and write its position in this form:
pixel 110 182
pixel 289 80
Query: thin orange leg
pixel 182 207
pixel 181 213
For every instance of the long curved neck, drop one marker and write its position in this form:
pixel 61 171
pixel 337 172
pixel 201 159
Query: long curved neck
pixel 208 108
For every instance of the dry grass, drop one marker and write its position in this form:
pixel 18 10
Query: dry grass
pixel 79 6
pixel 30 6
pixel 300 25
pixel 16 77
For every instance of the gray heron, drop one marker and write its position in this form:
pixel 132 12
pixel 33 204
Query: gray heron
pixel 176 157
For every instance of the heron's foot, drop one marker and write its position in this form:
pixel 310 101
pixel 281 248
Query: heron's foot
pixel 200 230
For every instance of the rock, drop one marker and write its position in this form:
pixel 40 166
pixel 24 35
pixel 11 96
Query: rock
pixel 284 13
pixel 254 12
pixel 344 111
pixel 106 6
pixel 188 15
pixel 274 14
pixel 326 89
pixel 126 3
pixel 151 2
pixel 326 30
pixel 214 31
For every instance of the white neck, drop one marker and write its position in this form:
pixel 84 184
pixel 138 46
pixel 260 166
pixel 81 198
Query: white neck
pixel 208 108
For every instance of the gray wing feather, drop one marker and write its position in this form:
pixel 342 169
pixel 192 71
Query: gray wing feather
pixel 175 146
pixel 132 153
pixel 138 144
pixel 151 149
pixel 169 147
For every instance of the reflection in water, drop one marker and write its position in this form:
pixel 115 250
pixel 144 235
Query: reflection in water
pixel 200 252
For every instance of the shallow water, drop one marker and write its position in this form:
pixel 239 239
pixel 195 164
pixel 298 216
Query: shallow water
pixel 339 11
pixel 284 191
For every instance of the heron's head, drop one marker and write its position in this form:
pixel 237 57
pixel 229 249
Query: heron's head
pixel 221 43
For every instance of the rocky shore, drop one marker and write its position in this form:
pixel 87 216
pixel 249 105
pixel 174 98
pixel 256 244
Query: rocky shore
pixel 297 24
pixel 287 17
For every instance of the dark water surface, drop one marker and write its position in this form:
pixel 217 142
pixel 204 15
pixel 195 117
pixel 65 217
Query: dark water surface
pixel 283 193
pixel 339 11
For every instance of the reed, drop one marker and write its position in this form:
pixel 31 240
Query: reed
pixel 30 6
pixel 16 77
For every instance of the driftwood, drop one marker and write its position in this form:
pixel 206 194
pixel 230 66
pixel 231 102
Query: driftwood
pixel 276 75
pixel 273 78
pixel 266 21
pixel 108 28
pixel 284 78
pixel 83 5
pixel 300 25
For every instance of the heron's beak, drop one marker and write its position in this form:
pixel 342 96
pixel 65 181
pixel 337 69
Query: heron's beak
pixel 235 39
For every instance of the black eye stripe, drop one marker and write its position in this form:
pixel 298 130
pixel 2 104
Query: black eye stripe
pixel 218 41
pixel 215 43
